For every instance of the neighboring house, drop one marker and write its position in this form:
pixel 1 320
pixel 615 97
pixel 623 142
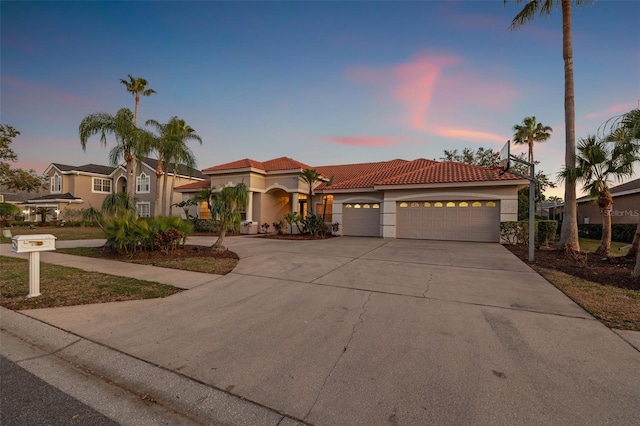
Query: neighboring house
pixel 420 199
pixel 72 188
pixel 626 205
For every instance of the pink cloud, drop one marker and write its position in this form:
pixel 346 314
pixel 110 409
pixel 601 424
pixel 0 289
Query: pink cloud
pixel 468 134
pixel 613 110
pixel 366 140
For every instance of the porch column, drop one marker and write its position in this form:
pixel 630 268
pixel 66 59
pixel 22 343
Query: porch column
pixel 294 202
pixel 249 212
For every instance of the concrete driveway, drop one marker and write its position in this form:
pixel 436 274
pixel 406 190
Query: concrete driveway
pixel 358 331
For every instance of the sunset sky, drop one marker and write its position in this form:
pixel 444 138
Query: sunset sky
pixel 321 82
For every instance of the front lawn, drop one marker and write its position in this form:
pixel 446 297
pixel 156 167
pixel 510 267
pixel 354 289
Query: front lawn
pixel 60 232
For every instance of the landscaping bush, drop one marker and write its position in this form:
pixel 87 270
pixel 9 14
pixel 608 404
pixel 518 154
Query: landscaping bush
pixel 128 234
pixel 620 232
pixel 313 224
pixel 546 231
pixel 204 225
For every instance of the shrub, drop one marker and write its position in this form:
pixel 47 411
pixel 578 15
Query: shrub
pixel 128 234
pixel 620 232
pixel 204 225
pixel 546 231
pixel 279 227
pixel 509 232
pixel 312 224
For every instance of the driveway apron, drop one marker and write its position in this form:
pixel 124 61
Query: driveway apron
pixel 364 331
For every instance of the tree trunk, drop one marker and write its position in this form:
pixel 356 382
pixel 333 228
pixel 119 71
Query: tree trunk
pixel 634 245
pixel 164 193
pixel 219 244
pixel 604 249
pixel 131 180
pixel 569 231
pixel 636 270
pixel 135 113
pixel 173 185
pixel 159 175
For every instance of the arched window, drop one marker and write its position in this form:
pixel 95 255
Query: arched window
pixel 143 183
pixel 56 183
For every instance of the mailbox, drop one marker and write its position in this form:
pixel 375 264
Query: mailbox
pixel 31 243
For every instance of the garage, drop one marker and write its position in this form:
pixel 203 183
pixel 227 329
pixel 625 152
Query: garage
pixel 449 220
pixel 361 219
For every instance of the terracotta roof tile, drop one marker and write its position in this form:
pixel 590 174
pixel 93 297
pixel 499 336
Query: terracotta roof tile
pixel 344 172
pixel 239 164
pixel 194 186
pixel 390 171
pixel 448 172
pixel 283 163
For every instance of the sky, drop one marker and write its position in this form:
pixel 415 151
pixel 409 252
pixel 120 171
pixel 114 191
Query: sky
pixel 321 82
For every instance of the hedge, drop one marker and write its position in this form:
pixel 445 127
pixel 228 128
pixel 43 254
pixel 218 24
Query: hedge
pixel 620 232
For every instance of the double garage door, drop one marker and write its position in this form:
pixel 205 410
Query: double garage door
pixel 449 220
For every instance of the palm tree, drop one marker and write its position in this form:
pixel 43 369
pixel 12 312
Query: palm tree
pixel 172 152
pixel 529 132
pixel 226 206
pixel 118 204
pixel 569 231
pixel 626 127
pixel 310 177
pixel 137 86
pixel 129 139
pixel 598 163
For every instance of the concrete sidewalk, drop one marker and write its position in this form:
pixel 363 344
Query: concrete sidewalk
pixel 365 331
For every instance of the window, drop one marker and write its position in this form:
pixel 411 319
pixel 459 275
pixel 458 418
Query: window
pixel 143 184
pixel 427 204
pixel 404 205
pixel 56 183
pixel 438 204
pixel 451 204
pixel 476 204
pixel 357 206
pixel 348 206
pixel 366 206
pixel 414 205
pixel 325 207
pixel 102 185
pixel 143 209
pixel 491 204
pixel 375 206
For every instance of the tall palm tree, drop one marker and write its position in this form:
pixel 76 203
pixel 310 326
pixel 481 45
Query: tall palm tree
pixel 529 132
pixel 172 152
pixel 598 163
pixel 137 86
pixel 310 177
pixel 129 139
pixel 569 231
pixel 226 206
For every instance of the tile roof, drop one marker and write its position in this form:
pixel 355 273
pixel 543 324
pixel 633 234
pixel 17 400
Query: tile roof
pixel 382 173
pixel 448 172
pixel 281 163
pixel 194 186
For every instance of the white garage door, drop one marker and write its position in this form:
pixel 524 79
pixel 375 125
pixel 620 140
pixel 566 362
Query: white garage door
pixel 449 220
pixel 361 219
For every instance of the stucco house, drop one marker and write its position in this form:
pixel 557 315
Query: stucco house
pixel 626 205
pixel 421 199
pixel 72 188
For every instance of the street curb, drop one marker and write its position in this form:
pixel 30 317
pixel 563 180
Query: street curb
pixel 203 403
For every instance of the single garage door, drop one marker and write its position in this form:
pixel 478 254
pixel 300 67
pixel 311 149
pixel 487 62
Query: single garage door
pixel 449 220
pixel 361 219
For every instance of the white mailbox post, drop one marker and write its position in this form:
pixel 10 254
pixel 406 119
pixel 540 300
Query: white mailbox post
pixel 33 244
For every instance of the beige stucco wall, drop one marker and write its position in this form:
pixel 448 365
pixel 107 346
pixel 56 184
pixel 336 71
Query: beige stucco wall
pixel 626 209
pixel 273 206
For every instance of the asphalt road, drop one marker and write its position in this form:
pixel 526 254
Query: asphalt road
pixel 28 400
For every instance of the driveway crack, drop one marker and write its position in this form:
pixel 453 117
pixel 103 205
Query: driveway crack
pixel 360 320
pixel 424 293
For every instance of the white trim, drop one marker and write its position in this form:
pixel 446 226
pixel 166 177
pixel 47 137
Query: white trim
pixel 52 180
pixel 453 185
pixel 93 183
pixel 143 203
pixel 139 185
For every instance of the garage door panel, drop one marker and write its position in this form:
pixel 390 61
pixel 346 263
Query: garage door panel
pixel 362 219
pixel 449 220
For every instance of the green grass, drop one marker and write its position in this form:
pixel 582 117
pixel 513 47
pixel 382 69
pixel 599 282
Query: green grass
pixel 64 286
pixel 61 232
pixel 589 245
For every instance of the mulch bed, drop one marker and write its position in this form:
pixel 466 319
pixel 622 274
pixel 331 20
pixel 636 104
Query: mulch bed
pixel 186 251
pixel 296 237
pixel 616 271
